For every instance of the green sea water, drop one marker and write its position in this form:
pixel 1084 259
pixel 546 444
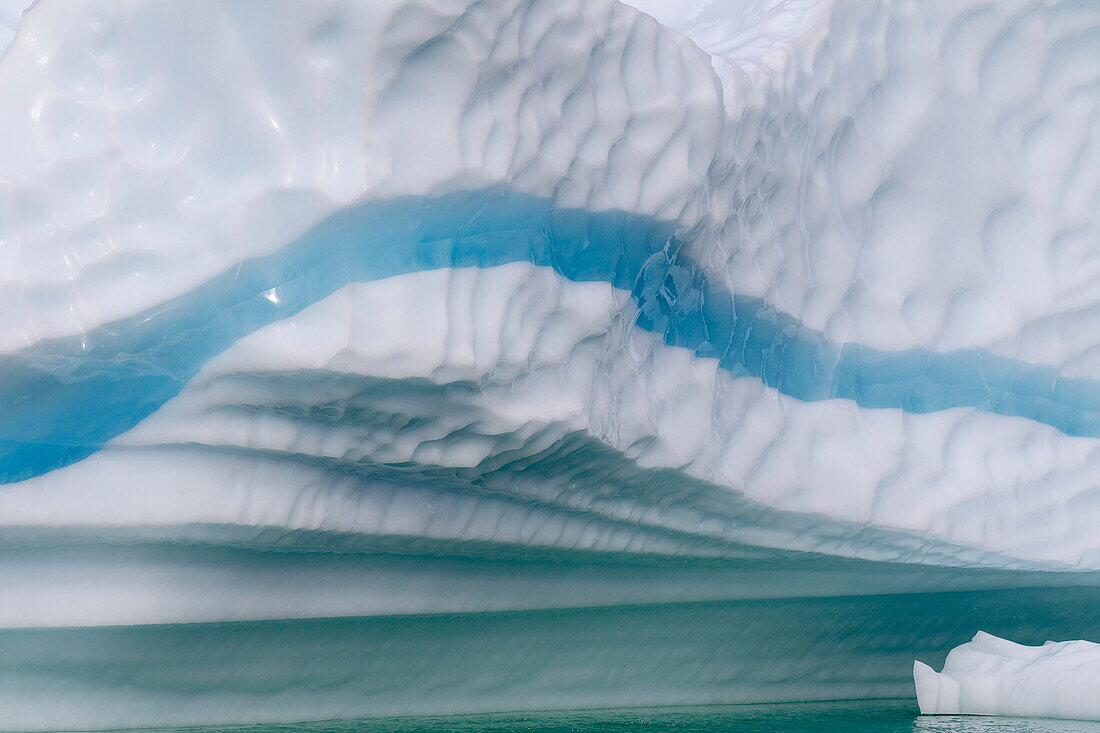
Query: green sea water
pixel 874 716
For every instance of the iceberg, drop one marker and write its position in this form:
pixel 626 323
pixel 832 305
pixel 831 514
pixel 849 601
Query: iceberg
pixel 394 357
pixel 992 676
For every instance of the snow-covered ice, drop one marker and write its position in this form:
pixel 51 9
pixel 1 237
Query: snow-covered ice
pixel 993 676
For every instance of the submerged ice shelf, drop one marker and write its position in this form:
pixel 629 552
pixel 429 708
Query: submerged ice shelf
pixel 541 354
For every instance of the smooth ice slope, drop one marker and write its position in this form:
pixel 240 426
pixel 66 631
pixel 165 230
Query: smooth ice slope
pixel 992 676
pixel 10 13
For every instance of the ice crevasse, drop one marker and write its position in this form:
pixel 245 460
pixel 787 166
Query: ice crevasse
pixel 674 344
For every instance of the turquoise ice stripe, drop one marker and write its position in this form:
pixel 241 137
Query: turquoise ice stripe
pixel 64 398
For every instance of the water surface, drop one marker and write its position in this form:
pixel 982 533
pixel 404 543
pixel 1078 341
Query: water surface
pixel 874 716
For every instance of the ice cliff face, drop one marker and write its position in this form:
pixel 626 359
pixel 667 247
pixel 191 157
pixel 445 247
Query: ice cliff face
pixel 319 309
pixel 853 283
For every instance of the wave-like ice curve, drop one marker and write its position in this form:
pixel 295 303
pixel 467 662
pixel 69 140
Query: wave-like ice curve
pixel 574 365
pixel 120 373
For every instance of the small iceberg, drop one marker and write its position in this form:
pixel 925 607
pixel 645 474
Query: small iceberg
pixel 993 676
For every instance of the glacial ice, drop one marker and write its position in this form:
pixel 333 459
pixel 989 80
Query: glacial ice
pixel 992 676
pixel 433 332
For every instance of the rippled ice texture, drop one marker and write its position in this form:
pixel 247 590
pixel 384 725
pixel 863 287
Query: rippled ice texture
pixel 382 357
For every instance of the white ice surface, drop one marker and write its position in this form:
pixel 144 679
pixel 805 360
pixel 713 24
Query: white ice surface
pixel 11 11
pixel 534 357
pixel 931 169
pixel 503 445
pixel 895 174
pixel 873 170
pixel 135 169
pixel 993 676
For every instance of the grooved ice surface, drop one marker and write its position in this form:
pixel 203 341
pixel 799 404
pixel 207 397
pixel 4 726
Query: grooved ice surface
pixel 352 309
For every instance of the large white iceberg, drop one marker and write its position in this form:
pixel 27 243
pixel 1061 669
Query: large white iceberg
pixel 993 676
pixel 496 313
pixel 851 279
